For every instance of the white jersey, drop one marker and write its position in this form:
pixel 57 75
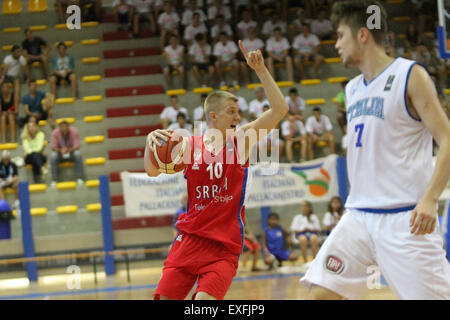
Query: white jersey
pixel 389 152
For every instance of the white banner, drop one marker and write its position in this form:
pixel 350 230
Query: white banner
pixel 283 184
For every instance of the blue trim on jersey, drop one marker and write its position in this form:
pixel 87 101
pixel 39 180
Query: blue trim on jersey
pixel 404 94
pixel 241 203
pixel 308 167
pixel 390 64
pixel 396 210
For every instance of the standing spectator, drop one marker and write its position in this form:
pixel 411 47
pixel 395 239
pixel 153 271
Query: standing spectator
pixel 220 27
pixel 39 104
pixel 198 112
pixel 9 112
pixel 63 66
pixel 219 8
pixel 341 115
pixel 296 103
pixel 168 22
pixel 181 126
pixel 245 25
pixel 200 59
pixel 333 215
pixel 306 227
pixel 143 14
pixel 277 49
pixel 61 8
pixel 33 146
pixel 242 103
pixel 319 128
pixel 12 70
pixel 65 145
pixel 322 27
pixel 255 107
pixel 225 51
pixel 174 54
pixel 9 176
pixel 270 25
pixel 169 114
pixel 294 132
pixel 252 43
pixel 123 11
pixel 306 46
pixel 251 247
pixel 32 50
pixel 187 16
pixel 184 201
pixel 197 27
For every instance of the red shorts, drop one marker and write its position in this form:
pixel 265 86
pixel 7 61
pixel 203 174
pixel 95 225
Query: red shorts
pixel 197 259
pixel 252 246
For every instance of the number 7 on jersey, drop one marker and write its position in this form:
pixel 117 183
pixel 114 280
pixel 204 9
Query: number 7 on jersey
pixel 359 128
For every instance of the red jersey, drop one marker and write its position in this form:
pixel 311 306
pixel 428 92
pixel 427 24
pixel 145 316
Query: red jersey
pixel 216 188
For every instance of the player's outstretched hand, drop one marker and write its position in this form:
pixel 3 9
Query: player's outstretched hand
pixel 154 136
pixel 255 59
pixel 423 218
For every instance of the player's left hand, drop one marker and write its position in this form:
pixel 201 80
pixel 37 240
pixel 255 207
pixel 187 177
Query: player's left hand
pixel 255 59
pixel 423 218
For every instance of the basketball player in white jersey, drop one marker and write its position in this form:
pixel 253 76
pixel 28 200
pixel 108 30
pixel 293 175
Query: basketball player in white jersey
pixel 391 213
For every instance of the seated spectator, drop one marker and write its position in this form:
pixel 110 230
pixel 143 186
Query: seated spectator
pixel 271 142
pixel 181 126
pixel 297 24
pixel 199 111
pixel 38 104
pixel 169 114
pixel 91 10
pixel 270 25
pixel 187 16
pixel 61 8
pixel 294 132
pixel 143 14
pixel 184 201
pixel 306 46
pixel 192 30
pixel 322 27
pixel 200 59
pixel 123 11
pixel 277 49
pixel 174 54
pixel 219 8
pixel 319 128
pixel 333 215
pixel 63 66
pixel 220 27
pixel 255 108
pixel 252 43
pixel 12 68
pixel 168 22
pixel 242 103
pixel 296 103
pixel 342 109
pixel 32 50
pixel 65 144
pixel 274 237
pixel 245 25
pixel 9 176
pixel 225 51
pixel 251 247
pixel 306 227
pixel 33 146
pixel 9 111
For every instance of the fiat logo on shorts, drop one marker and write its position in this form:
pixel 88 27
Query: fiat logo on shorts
pixel 334 264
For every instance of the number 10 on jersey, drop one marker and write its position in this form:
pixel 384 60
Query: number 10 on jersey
pixel 359 128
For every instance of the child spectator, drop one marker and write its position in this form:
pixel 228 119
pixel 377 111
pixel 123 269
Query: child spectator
pixel 200 59
pixel 9 176
pixel 123 11
pixel 185 129
pixel 255 107
pixel 251 247
pixel 198 112
pixel 219 8
pixel 251 43
pixel 306 227
pixel 220 27
pixel 12 68
pixel 294 132
pixel 33 146
pixel 306 46
pixel 319 128
pixel 168 22
pixel 296 103
pixel 63 66
pixel 277 49
pixel 333 215
pixel 225 51
pixel 322 27
pixel 187 16
pixel 144 13
pixel 32 50
pixel 274 237
pixel 169 114
pixel 270 25
pixel 38 104
pixel 245 25
pixel 9 111
pixel 197 27
pixel 174 54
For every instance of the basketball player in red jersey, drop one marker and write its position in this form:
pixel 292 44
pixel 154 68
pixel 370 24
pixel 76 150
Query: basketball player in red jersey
pixel 211 235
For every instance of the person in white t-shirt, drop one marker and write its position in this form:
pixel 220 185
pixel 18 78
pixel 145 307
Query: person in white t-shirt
pixel 277 49
pixel 225 51
pixel 181 126
pixel 270 25
pixel 306 46
pixel 319 129
pixel 198 112
pixel 187 16
pixel 197 27
pixel 252 43
pixel 219 8
pixel 293 132
pixel 12 67
pixel 271 142
pixel 219 27
pixel 169 114
pixel 144 13
pixel 123 11
pixel 245 25
pixel 168 22
pixel 174 54
pixel 302 18
pixel 242 103
pixel 333 215
pixel 200 59
pixel 322 27
pixel 296 103
pixel 306 227
pixel 255 108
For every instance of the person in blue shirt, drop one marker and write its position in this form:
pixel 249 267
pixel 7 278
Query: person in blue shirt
pixel 38 104
pixel 184 202
pixel 274 237
pixel 63 66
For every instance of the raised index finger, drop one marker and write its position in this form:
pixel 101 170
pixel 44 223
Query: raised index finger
pixel 243 50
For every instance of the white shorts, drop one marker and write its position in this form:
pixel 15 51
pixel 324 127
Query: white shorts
pixel 415 267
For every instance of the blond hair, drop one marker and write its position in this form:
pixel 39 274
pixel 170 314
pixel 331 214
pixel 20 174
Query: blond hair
pixel 214 101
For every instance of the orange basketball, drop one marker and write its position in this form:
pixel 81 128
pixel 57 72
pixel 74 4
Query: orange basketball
pixel 168 157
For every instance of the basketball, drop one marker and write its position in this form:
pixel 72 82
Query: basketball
pixel 168 157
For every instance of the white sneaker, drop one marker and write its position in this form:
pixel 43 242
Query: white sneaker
pixel 80 182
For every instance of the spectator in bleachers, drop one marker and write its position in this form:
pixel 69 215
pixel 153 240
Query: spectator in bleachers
pixel 184 202
pixel 306 46
pixel 272 141
pixel 245 25
pixel 12 67
pixel 297 24
pixel 200 59
pixel 39 104
pixel 242 103
pixel 322 27
pixel 197 27
pixel 269 26
pixel 33 146
pixel 181 125
pixel 199 111
pixel 413 37
pixel 9 111
pixel 61 8
pixel 168 22
pixel 169 114
pixel 123 11
pixel 220 27
pixel 32 50
pixel 188 13
pixel 255 108
pixel 273 5
pixel 437 68
pixel 143 14
pixel 9 176
pixel 174 54
pixel 306 227
pixel 294 132
pixel 225 51
pixel 319 127
pixel 251 43
pixel 91 10
pixel 274 237
pixel 277 48
pixel 341 106
pixel 63 65
pixel 251 247
pixel 296 103
pixel 219 8
pixel 65 144
pixel 333 215
pixel 200 126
